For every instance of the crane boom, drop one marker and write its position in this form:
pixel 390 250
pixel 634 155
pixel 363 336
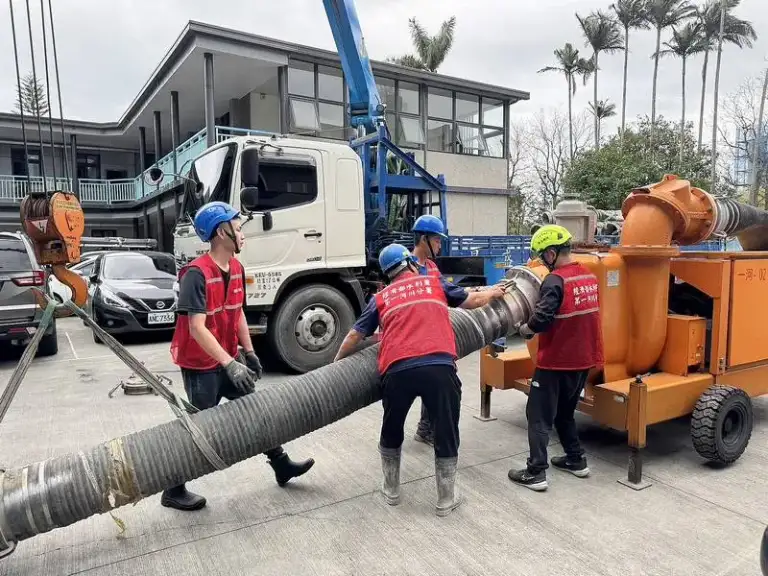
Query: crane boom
pixel 365 105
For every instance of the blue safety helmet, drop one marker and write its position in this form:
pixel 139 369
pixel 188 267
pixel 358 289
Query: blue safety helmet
pixel 393 257
pixel 210 215
pixel 429 224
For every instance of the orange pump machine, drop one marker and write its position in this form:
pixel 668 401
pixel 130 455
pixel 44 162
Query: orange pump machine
pixel 684 333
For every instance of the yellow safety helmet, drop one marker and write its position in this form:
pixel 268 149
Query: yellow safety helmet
pixel 549 236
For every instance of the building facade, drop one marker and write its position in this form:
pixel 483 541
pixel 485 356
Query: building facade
pixel 216 82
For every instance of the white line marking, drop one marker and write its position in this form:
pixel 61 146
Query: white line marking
pixel 72 346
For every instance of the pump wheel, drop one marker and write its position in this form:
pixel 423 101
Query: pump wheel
pixel 721 424
pixel 309 326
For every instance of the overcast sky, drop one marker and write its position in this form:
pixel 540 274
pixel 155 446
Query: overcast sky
pixel 109 48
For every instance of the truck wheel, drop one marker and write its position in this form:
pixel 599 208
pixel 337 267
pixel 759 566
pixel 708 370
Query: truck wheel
pixel 309 326
pixel 721 424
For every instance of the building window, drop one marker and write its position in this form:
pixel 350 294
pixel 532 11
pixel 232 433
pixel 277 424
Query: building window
pixel 301 79
pixel 88 166
pixel 408 98
pixel 440 136
pixel 410 133
pixel 331 119
pixel 387 91
pixel 440 104
pixel 103 233
pixel 330 84
pixel 402 101
pixel 316 100
pixel 465 124
pixel 304 115
pixel 19 165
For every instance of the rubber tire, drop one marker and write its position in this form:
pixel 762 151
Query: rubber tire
pixel 49 344
pixel 281 331
pixel 707 423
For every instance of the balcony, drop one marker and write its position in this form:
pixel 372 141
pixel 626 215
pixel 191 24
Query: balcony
pixel 15 188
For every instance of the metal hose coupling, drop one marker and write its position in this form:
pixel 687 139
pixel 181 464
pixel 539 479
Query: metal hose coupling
pixel 60 491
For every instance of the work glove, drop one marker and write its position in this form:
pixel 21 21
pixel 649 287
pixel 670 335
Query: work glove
pixel 524 331
pixel 252 361
pixel 241 376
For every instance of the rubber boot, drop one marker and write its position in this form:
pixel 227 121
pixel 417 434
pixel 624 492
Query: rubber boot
pixel 445 475
pixel 178 497
pixel 285 468
pixel 390 467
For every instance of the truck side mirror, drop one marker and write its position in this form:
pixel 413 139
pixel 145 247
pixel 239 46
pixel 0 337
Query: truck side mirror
pixel 154 176
pixel 249 198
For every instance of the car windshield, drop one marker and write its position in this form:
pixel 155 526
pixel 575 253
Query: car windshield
pixel 139 266
pixel 13 256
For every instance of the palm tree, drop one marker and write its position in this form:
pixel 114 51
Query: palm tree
pixel 430 50
pixel 662 14
pixel 631 15
pixel 604 35
pixel 570 64
pixel 685 42
pixel 602 110
pixel 735 31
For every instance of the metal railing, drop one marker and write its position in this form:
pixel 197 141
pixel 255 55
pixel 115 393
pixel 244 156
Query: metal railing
pixel 15 188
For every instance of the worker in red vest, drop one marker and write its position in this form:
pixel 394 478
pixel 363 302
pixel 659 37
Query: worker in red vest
pixel 429 232
pixel 567 319
pixel 211 323
pixel 417 357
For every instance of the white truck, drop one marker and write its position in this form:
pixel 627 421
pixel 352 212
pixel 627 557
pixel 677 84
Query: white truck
pixel 305 251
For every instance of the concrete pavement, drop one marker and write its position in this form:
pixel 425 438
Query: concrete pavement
pixel 693 520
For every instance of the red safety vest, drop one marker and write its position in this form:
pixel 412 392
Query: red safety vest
pixel 575 340
pixel 222 315
pixel 413 314
pixel 432 269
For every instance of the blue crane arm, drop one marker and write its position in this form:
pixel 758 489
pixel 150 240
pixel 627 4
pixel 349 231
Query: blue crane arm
pixel 366 107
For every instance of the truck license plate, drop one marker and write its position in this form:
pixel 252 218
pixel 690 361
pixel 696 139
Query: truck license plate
pixel 161 318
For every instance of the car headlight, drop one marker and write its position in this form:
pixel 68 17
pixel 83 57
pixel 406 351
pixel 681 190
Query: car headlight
pixel 112 299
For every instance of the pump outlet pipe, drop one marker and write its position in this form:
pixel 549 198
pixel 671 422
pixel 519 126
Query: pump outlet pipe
pixel 658 218
pixel 61 491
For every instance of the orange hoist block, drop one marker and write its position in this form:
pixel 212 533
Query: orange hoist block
pixel 55 224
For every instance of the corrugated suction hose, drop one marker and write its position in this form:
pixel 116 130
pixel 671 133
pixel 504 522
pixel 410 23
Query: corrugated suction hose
pixel 64 490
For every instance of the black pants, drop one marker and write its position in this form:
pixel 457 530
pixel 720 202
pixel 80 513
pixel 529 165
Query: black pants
pixel 206 388
pixel 552 401
pixel 440 390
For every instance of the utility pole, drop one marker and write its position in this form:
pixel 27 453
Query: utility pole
pixel 756 145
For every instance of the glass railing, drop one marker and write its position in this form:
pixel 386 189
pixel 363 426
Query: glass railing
pixel 15 188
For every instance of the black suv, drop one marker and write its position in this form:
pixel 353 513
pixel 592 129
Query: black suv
pixel 20 314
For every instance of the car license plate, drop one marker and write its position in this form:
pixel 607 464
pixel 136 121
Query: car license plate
pixel 161 318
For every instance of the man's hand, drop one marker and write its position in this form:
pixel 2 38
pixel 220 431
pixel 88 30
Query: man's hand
pixel 495 292
pixel 241 376
pixel 252 361
pixel 524 331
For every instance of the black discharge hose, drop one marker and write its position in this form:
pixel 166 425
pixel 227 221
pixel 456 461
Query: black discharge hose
pixel 748 223
pixel 61 491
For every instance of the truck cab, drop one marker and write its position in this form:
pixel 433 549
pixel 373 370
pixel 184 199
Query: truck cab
pixel 304 224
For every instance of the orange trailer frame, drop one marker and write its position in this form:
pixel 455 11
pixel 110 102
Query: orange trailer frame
pixel 681 383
